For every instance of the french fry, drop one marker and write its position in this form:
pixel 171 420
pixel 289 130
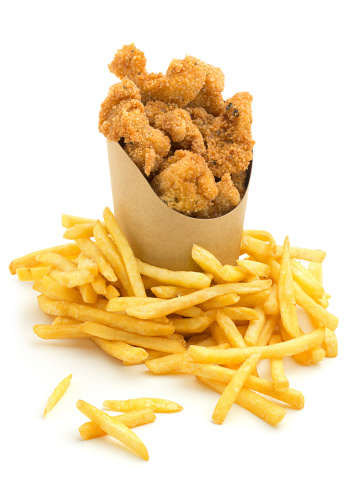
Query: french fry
pixel 265 236
pixel 209 263
pixel 253 299
pixel 110 251
pixel 80 230
pixel 268 329
pixel 286 294
pixel 88 294
pixel 330 343
pixel 99 285
pixel 72 279
pixel 174 304
pixel 278 351
pixel 191 312
pixel 315 310
pixel 303 254
pixel 58 261
pixel 271 305
pixel 233 335
pixel 169 292
pixel 29 260
pixel 53 289
pixel 126 253
pixel 57 394
pixel 195 280
pixel 86 313
pixel 85 263
pixel 220 301
pixel 158 405
pixel 59 332
pixel 306 280
pixel 254 403
pixel 233 389
pixel 111 292
pixel 32 273
pixel 277 368
pixel 218 334
pixel 121 350
pixel 166 364
pixel 90 430
pixel 121 304
pixel 255 327
pixel 114 428
pixel 191 325
pixel 234 313
pixel 91 250
pixel 156 343
pixel 255 268
pixel 69 220
pixel 258 249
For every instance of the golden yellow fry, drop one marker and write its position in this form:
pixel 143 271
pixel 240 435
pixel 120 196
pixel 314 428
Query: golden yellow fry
pixel 239 355
pixel 231 273
pixel 86 313
pixel 254 403
pixel 234 313
pixel 229 328
pixel 258 249
pixel 207 341
pixel 191 325
pixel 326 318
pixel 126 253
pixel 110 251
pixel 290 396
pixel 265 236
pixel 166 364
pixel 80 230
pixel 330 344
pixel 29 260
pixel 72 279
pixel 121 350
pixel 32 273
pixel 58 261
pixel 253 299
pixel 69 220
pixel 121 304
pixel 65 320
pixel 57 394
pixel 90 430
pixel 158 405
pixel 111 292
pixel 88 294
pixel 209 263
pixel 306 280
pixel 286 294
pixel 218 334
pixel 191 312
pixel 233 389
pixel 169 292
pixel 53 289
pixel 256 268
pixel 59 332
pixel 172 305
pixel 88 264
pixel 114 428
pixel 268 329
pixel 271 305
pixel 280 380
pixel 220 301
pixel 92 251
pixel 255 327
pixel 156 343
pixel 187 279
pixel 303 254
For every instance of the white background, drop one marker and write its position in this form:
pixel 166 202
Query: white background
pixel 293 58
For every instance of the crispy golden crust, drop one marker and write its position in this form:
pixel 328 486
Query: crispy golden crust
pixel 210 96
pixel 227 199
pixel 186 184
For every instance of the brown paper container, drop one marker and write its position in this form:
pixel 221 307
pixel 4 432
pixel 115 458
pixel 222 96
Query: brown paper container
pixel 159 235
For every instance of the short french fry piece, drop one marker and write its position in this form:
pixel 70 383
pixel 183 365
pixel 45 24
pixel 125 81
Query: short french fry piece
pixel 72 279
pixel 166 364
pixel 233 335
pixel 69 220
pixel 79 230
pixel 126 253
pixel 258 249
pixel 254 403
pixel 111 292
pixel 330 344
pixel 156 343
pixel 191 325
pixel 88 294
pixel 233 389
pixel 59 332
pixel 53 289
pixel 89 430
pixel 29 260
pixel 255 327
pixel 114 428
pixel 121 350
pixel 172 305
pixel 303 254
pixel 277 368
pixel 271 305
pixel 158 405
pixel 32 273
pixel 57 394
pixel 255 268
pixel 286 294
pixel 195 280
pixel 277 351
pixel 86 313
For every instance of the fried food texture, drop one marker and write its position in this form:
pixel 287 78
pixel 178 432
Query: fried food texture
pixel 186 184
pixel 193 147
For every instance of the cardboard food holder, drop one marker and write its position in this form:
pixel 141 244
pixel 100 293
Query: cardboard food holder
pixel 160 235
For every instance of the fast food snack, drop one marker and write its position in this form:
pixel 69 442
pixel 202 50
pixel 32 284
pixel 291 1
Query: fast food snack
pixel 193 147
pixel 57 394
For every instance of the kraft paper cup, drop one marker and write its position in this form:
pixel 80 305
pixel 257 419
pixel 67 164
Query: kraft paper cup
pixel 161 236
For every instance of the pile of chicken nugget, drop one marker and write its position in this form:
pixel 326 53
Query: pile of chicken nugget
pixel 193 146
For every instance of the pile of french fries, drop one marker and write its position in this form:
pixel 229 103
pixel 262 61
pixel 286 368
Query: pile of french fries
pixel 215 324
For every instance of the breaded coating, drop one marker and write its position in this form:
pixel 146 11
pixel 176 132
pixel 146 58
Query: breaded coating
pixel 186 185
pixel 210 96
pixel 202 120
pixel 227 199
pixel 183 80
pixel 239 181
pixel 123 117
pixel 230 143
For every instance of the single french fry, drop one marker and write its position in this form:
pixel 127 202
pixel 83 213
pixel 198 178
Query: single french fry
pixel 126 253
pixel 220 301
pixel 80 230
pixel 191 312
pixel 92 251
pixel 330 343
pixel 86 313
pixel 59 332
pixel 303 254
pixel 268 329
pixel 286 294
pixel 122 303
pixel 166 364
pixel 88 294
pixel 218 334
pixel 306 280
pixel 57 394
pixel 30 260
pixel 110 251
pixel 158 405
pixel 209 263
pixel 253 299
pixel 85 263
pixel 90 430
pixel 72 279
pixel 239 355
pixel 121 350
pixel 280 380
pixel 191 325
pixel 172 305
pixel 233 389
pixel 265 236
pixel 234 313
pixel 65 320
pixel 69 220
pixel 195 280
pixel 53 289
pixel 230 330
pixel 255 327
pixel 32 273
pixel 258 249
pixel 156 343
pixel 255 268
pixel 111 292
pixel 271 305
pixel 99 284
pixel 58 261
pixel 114 428
pixel 169 292
pixel 254 403
pixel 314 309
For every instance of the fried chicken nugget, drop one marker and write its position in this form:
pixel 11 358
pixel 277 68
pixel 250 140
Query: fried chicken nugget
pixel 122 115
pixel 210 96
pixel 227 199
pixel 183 80
pixel 185 183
